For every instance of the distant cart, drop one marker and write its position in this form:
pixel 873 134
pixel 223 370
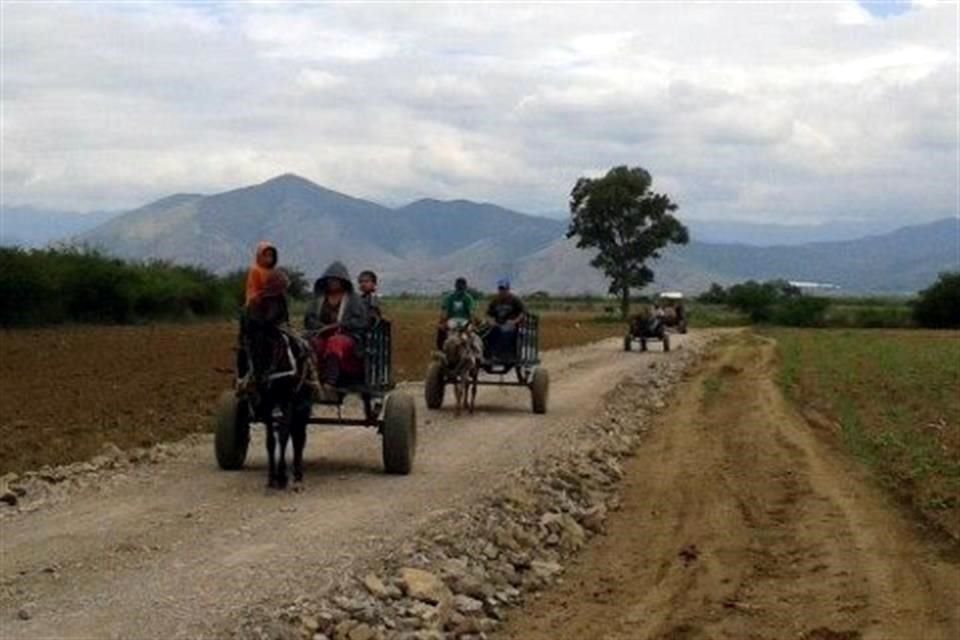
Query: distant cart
pixel 644 329
pixel 525 365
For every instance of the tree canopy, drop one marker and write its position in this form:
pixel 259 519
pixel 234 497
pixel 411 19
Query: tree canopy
pixel 938 306
pixel 627 223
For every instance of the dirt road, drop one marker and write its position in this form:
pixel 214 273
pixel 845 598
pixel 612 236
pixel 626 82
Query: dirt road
pixel 181 549
pixel 738 521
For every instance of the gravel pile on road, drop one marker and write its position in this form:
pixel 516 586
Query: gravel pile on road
pixel 458 579
pixel 29 491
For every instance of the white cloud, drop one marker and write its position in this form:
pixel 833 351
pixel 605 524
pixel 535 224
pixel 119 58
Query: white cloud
pixel 781 112
pixel 318 79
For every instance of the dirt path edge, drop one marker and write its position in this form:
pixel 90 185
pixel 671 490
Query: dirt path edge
pixel 459 577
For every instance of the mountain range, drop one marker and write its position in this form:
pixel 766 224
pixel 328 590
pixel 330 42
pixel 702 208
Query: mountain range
pixel 33 227
pixel 423 246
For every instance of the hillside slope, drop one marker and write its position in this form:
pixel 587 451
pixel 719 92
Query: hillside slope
pixel 423 246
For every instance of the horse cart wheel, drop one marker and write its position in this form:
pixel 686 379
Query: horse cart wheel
pixel 399 434
pixel 540 390
pixel 232 435
pixel 434 386
pixel 628 342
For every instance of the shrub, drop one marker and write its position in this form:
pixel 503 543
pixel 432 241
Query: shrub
pixel 756 299
pixel 97 289
pixel 938 306
pixel 60 285
pixel 716 294
pixel 800 311
pixel 28 291
pixel 299 289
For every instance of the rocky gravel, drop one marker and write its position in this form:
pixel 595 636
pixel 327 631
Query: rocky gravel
pixel 32 490
pixel 462 574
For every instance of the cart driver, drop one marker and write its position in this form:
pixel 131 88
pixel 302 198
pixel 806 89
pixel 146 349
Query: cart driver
pixel 506 312
pixel 458 306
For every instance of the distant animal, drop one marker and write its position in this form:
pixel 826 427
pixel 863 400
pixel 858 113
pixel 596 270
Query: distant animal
pixel 461 356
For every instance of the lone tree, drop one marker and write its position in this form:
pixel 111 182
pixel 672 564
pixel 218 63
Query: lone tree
pixel 627 223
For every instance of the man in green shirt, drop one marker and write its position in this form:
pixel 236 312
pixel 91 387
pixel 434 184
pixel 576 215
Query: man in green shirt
pixel 458 305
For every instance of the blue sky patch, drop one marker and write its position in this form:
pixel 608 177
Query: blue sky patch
pixel 886 8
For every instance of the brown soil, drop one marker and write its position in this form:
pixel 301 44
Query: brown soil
pixel 67 391
pixel 181 549
pixel 737 522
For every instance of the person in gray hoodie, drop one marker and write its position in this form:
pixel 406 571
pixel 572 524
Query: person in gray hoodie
pixel 335 321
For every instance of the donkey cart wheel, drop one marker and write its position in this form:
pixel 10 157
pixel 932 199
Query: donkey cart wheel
pixel 540 390
pixel 433 386
pixel 399 434
pixel 232 432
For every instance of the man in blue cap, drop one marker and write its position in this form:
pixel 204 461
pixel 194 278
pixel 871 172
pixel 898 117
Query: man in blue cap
pixel 506 311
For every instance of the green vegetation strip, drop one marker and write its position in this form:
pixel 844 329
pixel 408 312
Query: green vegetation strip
pixel 896 398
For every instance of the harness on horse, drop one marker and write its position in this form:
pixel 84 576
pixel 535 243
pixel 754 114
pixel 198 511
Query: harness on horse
pixel 273 352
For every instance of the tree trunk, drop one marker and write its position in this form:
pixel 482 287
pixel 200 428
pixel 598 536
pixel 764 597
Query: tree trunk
pixel 625 302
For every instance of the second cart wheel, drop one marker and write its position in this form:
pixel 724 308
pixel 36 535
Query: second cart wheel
pixel 232 431
pixel 434 386
pixel 399 434
pixel 540 390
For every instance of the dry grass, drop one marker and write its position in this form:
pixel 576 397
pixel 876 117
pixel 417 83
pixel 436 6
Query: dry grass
pixel 65 392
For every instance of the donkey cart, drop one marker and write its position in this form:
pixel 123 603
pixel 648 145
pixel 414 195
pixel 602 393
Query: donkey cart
pixel 644 330
pixel 525 363
pixel 392 413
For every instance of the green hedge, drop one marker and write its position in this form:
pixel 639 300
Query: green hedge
pixel 52 286
pixel 800 311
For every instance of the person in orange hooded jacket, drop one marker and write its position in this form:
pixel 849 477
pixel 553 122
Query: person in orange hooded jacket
pixel 265 303
pixel 266 286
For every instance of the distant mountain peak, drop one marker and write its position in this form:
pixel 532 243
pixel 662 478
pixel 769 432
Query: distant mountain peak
pixel 290 180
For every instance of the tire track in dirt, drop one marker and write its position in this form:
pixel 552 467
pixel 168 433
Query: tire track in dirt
pixel 738 523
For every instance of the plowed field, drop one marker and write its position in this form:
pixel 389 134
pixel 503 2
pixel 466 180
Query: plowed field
pixel 67 391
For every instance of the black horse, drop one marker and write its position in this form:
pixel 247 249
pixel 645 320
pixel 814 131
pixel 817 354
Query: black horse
pixel 278 378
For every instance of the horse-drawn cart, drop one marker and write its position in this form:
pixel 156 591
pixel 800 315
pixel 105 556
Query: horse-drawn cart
pixel 392 413
pixel 525 363
pixel 644 330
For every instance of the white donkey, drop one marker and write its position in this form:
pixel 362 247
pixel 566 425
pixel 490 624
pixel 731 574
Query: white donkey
pixel 461 356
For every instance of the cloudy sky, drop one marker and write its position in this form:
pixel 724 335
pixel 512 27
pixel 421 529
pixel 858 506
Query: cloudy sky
pixel 793 112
